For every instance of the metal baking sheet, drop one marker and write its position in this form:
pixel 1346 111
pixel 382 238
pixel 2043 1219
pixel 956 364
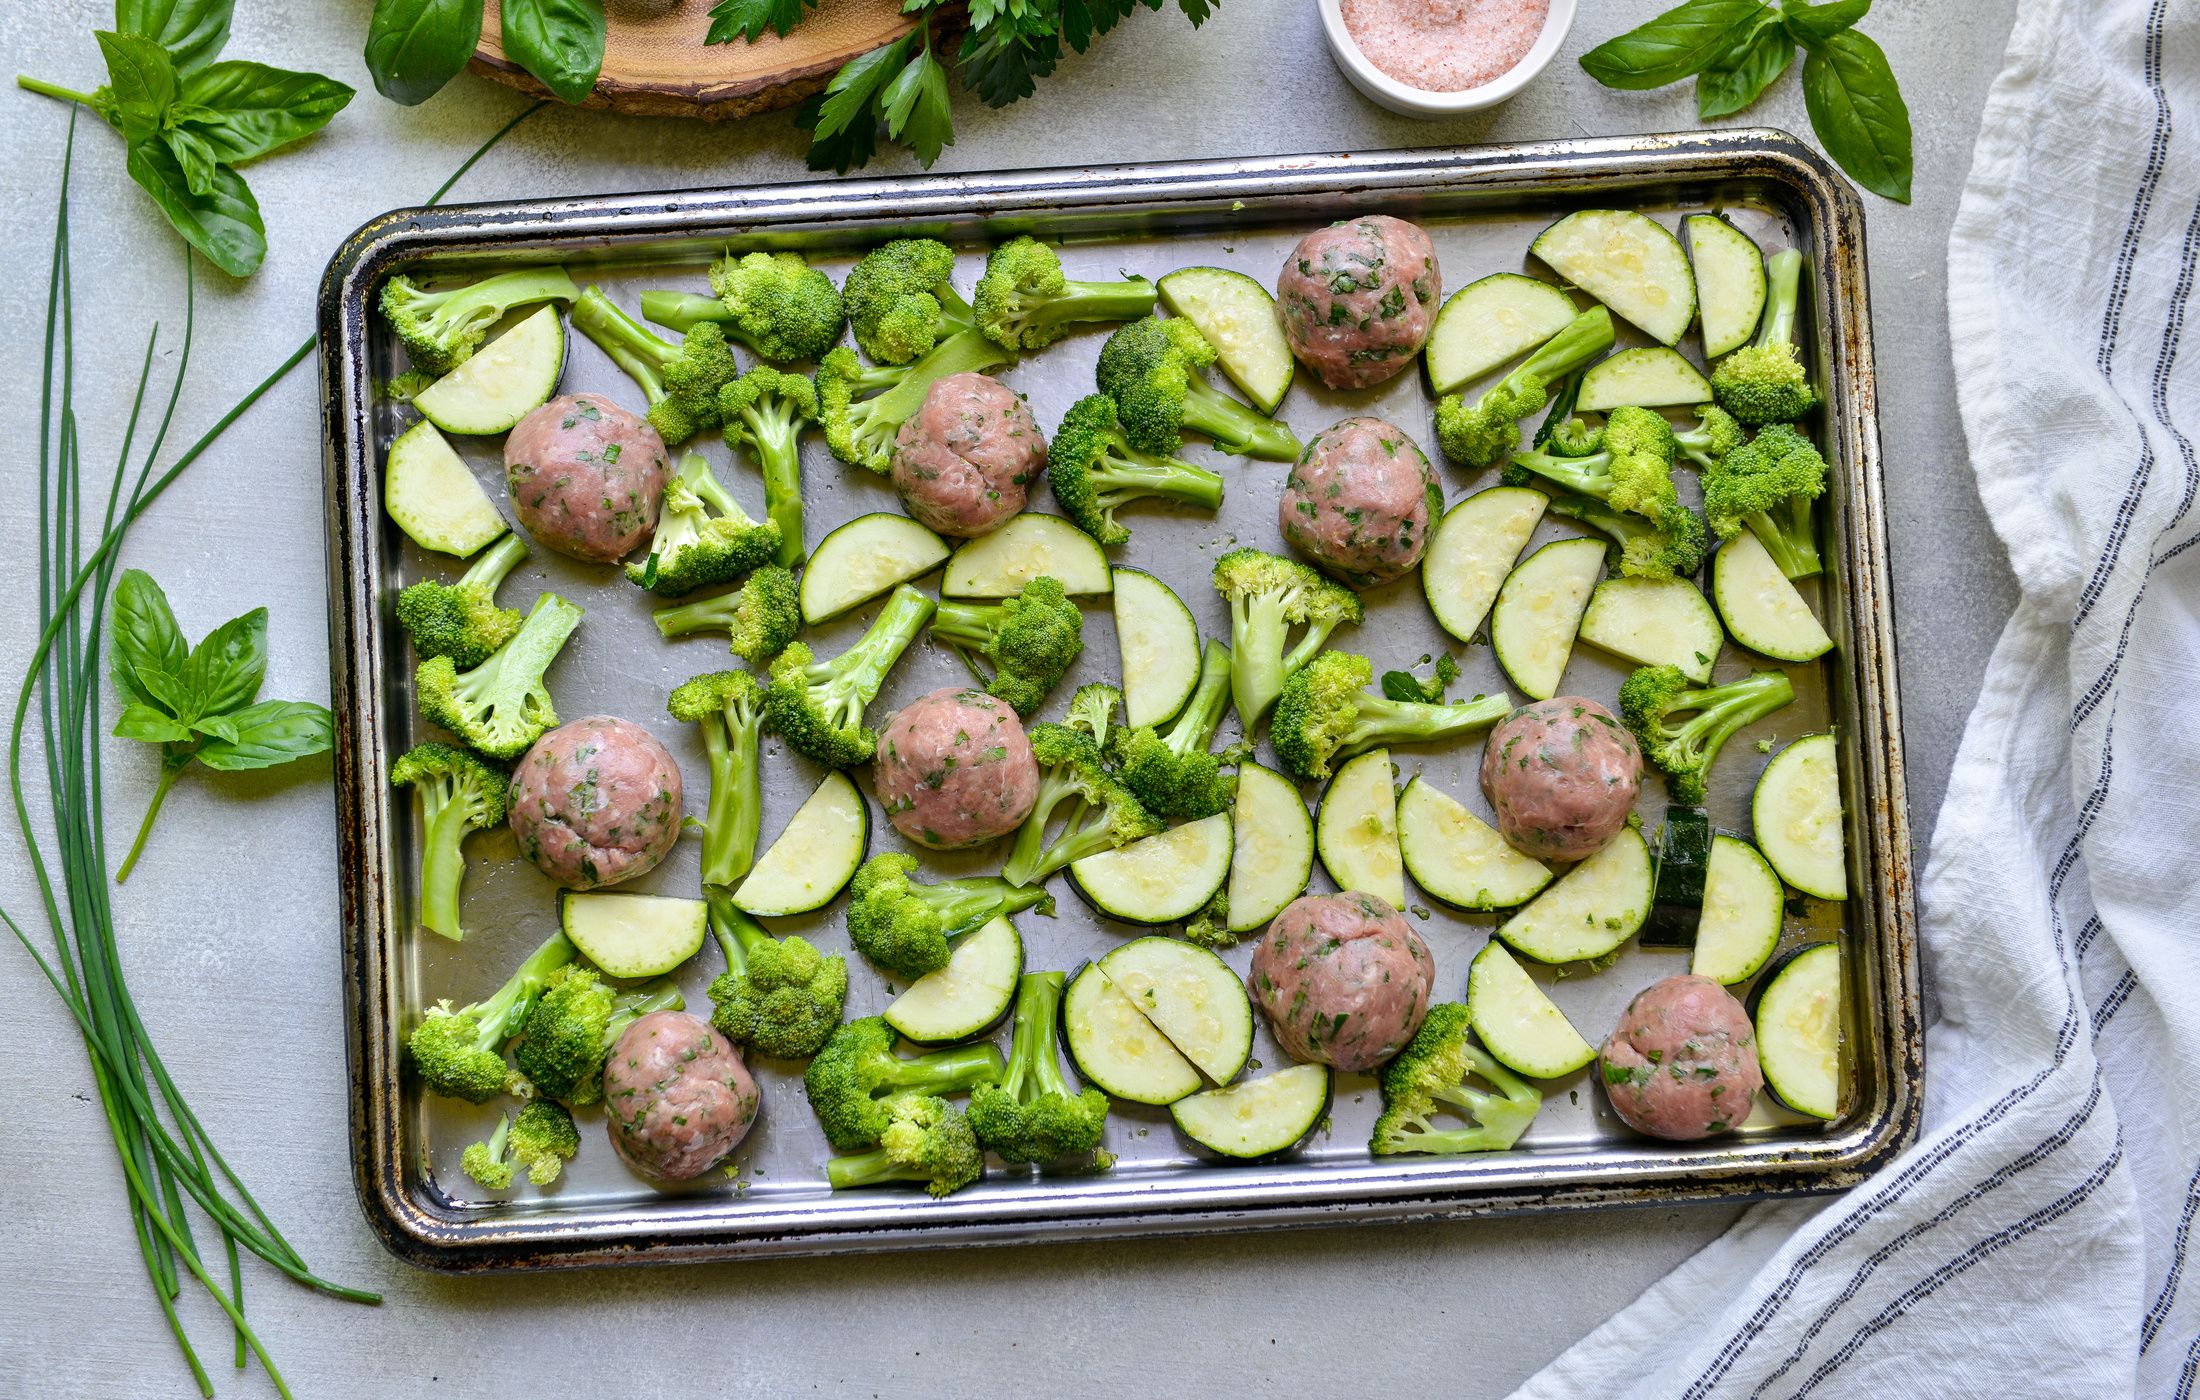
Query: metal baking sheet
pixel 1482 205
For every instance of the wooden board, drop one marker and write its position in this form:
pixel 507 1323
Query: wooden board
pixel 657 65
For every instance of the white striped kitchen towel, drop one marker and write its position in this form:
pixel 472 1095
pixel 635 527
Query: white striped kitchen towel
pixel 2038 1241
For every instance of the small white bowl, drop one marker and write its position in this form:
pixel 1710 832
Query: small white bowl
pixel 1386 91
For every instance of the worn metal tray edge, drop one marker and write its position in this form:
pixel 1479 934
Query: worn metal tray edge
pixel 422 1234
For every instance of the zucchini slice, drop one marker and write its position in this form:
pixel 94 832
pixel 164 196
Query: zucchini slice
pixel 1261 1117
pixel 1516 1022
pixel 870 555
pixel 632 935
pixel 1238 317
pixel 1117 1048
pixel 1272 839
pixel 814 856
pixel 1650 376
pixel 1160 646
pixel 1000 564
pixel 434 496
pixel 1762 609
pixel 1628 261
pixel 1740 926
pixel 1474 546
pixel 964 998
pixel 1192 997
pixel 1356 830
pixel 1683 862
pixel 1730 282
pixel 1160 879
pixel 503 381
pixel 1539 610
pixel 1486 323
pixel 1799 1030
pixel 1459 858
pixel 1655 622
pixel 1796 814
pixel 1593 909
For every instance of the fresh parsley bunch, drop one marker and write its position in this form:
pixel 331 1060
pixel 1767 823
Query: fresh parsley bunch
pixel 191 118
pixel 1735 49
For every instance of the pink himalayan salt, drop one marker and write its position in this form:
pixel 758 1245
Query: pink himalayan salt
pixel 1445 45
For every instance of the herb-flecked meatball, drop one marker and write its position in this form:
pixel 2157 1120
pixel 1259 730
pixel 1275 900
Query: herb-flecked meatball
pixel 954 769
pixel 965 461
pixel 1562 775
pixel 1357 299
pixel 676 1096
pixel 1342 979
pixel 587 477
pixel 596 802
pixel 1358 501
pixel 1682 1062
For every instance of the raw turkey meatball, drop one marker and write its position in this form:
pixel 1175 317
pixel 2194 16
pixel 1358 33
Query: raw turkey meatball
pixel 1358 501
pixel 586 477
pixel 1561 775
pixel 965 461
pixel 954 769
pixel 676 1096
pixel 596 802
pixel 1357 299
pixel 1342 980
pixel 1682 1062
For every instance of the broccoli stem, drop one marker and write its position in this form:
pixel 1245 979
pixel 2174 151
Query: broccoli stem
pixel 528 655
pixel 738 935
pixel 1031 1047
pixel 1584 338
pixel 1786 533
pixel 857 673
pixel 778 439
pixel 682 312
pixel 1194 727
pixel 456 305
pixel 1094 301
pixel 1129 473
pixel 1587 476
pixel 1087 833
pixel 660 995
pixel 1026 855
pixel 1721 711
pixel 968 904
pixel 1783 277
pixel 495 563
pixel 1563 398
pixel 1382 720
pixel 499 1017
pixel 868 1169
pixel 632 346
pixel 735 810
pixel 949 1071
pixel 442 862
pixel 1234 426
pixel 964 352
pixel 702 615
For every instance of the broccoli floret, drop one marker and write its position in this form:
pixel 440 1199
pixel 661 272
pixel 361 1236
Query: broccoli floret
pixel 1173 775
pixel 853 1079
pixel 541 1141
pixel 925 1139
pixel 817 706
pixel 459 793
pixel 1766 486
pixel 1573 437
pixel 778 305
pixel 1673 549
pixel 1096 472
pixel 441 330
pixel 1632 474
pixel 781 997
pixel 680 381
pixel 1031 1114
pixel 1102 813
pixel 1326 714
pixel 1210 927
pixel 729 708
pixel 862 407
pixel 1092 709
pixel 1404 685
pixel 759 618
pixel 1682 726
pixel 501 706
pixel 1025 303
pixel 909 928
pixel 1765 382
pixel 487 1162
pixel 1269 595
pixel 460 1054
pixel 573 1025
pixel 902 300
pixel 462 620
pixel 765 411
pixel 1479 435
pixel 1715 434
pixel 703 536
pixel 1032 639
pixel 1436 1071
pixel 1151 368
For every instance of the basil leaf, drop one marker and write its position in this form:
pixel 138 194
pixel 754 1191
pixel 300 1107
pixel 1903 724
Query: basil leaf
pixel 1737 80
pixel 252 109
pixel 225 670
pixel 192 31
pixel 1814 24
pixel 269 733
pixel 167 692
pixel 224 223
pixel 559 41
pixel 1675 45
pixel 148 725
pixel 141 83
pixel 196 159
pixel 1857 110
pixel 1400 685
pixel 414 47
pixel 142 636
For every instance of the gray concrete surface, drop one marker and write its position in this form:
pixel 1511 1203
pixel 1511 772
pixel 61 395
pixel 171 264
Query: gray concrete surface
pixel 230 924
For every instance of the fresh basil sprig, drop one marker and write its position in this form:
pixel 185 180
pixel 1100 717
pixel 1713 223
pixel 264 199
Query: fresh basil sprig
pixel 1735 49
pixel 191 117
pixel 199 703
pixel 414 47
